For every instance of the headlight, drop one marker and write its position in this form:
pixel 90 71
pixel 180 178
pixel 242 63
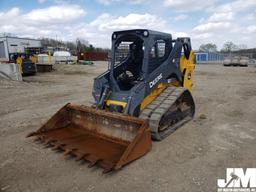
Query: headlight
pixel 114 36
pixel 145 33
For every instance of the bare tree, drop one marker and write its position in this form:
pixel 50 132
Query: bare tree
pixel 229 46
pixel 242 46
pixel 208 47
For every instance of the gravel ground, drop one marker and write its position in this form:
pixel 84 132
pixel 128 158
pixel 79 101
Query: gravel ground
pixel 221 135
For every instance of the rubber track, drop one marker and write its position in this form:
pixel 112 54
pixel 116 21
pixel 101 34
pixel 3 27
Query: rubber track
pixel 156 109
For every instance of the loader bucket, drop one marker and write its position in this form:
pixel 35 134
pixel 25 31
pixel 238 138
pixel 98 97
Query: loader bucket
pixel 107 139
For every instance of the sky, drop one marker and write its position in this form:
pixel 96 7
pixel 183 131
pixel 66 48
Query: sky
pixel 204 21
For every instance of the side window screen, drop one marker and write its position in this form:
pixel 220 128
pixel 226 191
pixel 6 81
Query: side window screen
pixel 159 53
pixel 160 48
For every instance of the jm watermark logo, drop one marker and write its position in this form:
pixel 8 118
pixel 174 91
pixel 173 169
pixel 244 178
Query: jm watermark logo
pixel 238 180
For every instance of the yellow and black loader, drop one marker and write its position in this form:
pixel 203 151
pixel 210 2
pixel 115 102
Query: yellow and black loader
pixel 145 94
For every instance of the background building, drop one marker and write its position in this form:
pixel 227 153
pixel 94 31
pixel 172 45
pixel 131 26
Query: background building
pixel 209 57
pixel 10 45
pixel 218 57
pixel 250 53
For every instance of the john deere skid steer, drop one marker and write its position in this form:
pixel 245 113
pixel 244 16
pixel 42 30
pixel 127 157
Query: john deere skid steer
pixel 144 94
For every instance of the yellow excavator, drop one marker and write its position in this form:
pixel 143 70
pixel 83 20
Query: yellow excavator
pixel 145 94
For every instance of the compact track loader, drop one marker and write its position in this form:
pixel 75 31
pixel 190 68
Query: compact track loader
pixel 144 94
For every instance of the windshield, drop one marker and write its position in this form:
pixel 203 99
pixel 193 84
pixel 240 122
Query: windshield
pixel 122 51
pixel 128 47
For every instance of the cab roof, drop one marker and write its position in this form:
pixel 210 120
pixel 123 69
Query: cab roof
pixel 141 31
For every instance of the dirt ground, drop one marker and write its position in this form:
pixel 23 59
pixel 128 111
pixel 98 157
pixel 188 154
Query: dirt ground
pixel 222 135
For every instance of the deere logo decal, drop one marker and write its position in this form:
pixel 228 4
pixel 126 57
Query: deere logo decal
pixel 152 83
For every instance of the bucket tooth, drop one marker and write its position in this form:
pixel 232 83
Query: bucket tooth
pixel 94 162
pixel 58 146
pixel 80 157
pixel 49 141
pixel 69 151
pixel 37 139
pixel 42 138
pixel 31 134
pixel 107 166
pixel 107 170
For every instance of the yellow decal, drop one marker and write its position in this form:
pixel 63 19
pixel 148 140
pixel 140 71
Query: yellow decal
pixel 113 102
pixel 188 66
pixel 151 97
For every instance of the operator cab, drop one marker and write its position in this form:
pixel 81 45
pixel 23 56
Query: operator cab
pixel 129 53
pixel 135 55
